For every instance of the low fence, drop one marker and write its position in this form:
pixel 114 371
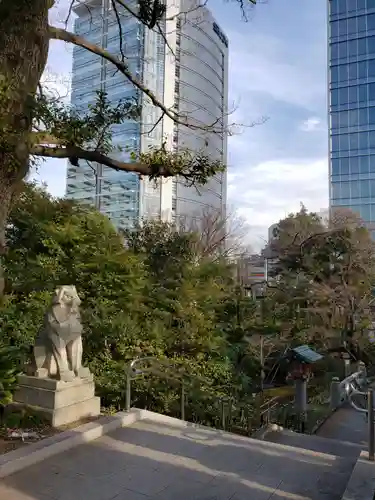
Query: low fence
pixel 337 393
pixel 320 406
pixel 364 402
pixel 246 418
pixel 341 390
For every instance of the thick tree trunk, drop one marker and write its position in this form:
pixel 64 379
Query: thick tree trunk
pixel 23 55
pixel 5 203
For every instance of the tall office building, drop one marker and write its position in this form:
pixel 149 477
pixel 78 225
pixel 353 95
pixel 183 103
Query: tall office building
pixel 351 56
pixel 188 73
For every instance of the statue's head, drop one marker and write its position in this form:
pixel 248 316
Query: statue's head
pixel 66 296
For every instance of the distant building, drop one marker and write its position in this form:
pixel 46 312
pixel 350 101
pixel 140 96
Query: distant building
pixel 250 270
pixel 255 271
pixel 351 83
pixel 189 73
pixel 272 231
pixel 324 215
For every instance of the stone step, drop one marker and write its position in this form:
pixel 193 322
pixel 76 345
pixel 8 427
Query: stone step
pixel 315 443
pixel 163 458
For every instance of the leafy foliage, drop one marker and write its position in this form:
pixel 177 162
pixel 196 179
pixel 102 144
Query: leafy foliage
pixel 34 124
pixel 325 278
pixel 147 298
pixel 146 294
pixel 193 167
pixel 69 127
pixel 9 369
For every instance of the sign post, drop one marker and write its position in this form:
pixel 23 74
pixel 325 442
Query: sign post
pixel 371 423
pixel 301 359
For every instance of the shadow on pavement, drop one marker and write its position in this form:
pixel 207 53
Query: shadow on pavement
pixel 161 462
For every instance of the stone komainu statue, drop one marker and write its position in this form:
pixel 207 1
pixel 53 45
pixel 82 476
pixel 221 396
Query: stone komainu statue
pixel 58 346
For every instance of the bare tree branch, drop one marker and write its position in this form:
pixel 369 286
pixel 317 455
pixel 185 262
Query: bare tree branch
pixel 114 6
pixel 194 167
pixel 61 34
pixel 95 156
pixel 184 13
pixel 217 235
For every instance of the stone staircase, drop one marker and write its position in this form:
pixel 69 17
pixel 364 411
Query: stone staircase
pixel 143 455
pixel 353 472
pixel 343 449
pixel 344 456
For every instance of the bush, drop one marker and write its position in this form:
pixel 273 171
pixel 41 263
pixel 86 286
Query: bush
pixel 10 358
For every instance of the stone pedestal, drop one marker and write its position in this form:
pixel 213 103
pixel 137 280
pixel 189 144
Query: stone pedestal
pixel 59 402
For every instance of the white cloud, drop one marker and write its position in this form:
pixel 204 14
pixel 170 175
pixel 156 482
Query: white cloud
pixel 277 68
pixel 56 77
pixel 56 83
pixel 271 190
pixel 51 172
pixel 274 69
pixel 312 124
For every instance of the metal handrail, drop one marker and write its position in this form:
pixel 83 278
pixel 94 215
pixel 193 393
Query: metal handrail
pixel 153 365
pixel 370 413
pixel 355 392
pixel 351 383
pixel 353 378
pixel 352 388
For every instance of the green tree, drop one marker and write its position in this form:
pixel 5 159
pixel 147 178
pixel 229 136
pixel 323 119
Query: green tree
pixel 205 317
pixel 33 124
pixel 325 277
pixel 54 242
pixel 150 297
pixel 179 291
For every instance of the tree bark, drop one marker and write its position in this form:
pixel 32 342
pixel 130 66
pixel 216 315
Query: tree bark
pixel 5 203
pixel 24 41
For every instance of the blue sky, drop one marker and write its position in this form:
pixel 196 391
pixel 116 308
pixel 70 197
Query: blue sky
pixel 277 69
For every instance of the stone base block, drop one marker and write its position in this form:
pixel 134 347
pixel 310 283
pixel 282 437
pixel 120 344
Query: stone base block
pixel 60 402
pixel 71 413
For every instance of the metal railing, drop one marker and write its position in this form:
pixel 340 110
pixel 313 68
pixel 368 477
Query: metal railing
pixel 340 390
pixel 232 415
pixel 354 382
pixel 353 391
pixel 162 368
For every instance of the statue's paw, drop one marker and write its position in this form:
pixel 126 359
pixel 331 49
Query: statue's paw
pixel 83 372
pixel 67 376
pixel 41 373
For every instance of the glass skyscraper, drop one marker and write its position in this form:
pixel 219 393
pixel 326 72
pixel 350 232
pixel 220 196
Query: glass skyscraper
pixel 117 194
pixel 351 57
pixel 189 74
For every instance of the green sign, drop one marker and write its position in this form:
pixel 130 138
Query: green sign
pixel 306 355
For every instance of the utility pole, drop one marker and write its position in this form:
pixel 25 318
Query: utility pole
pixel 259 296
pixel 262 374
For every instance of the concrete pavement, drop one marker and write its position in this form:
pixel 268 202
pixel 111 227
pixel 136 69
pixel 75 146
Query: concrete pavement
pixel 346 424
pixel 160 461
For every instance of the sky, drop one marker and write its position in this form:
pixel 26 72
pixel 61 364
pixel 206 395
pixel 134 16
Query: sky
pixel 277 71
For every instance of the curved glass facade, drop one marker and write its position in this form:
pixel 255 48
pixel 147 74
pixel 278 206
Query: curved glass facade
pixel 116 194
pixel 192 80
pixel 351 56
pixel 201 94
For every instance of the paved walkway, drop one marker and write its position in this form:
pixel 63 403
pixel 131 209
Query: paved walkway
pixel 156 461
pixel 344 436
pixel 346 424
